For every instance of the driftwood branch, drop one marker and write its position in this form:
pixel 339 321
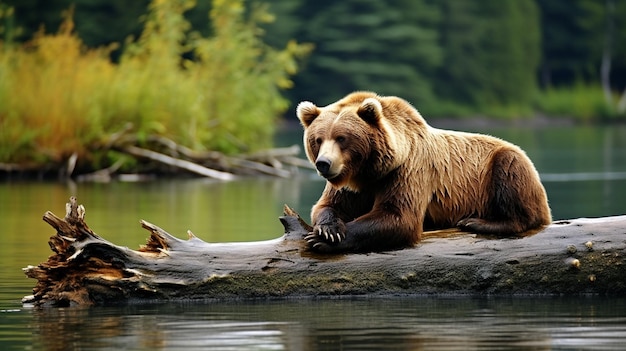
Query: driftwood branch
pixel 183 164
pixel 215 164
pixel 582 256
pixel 156 154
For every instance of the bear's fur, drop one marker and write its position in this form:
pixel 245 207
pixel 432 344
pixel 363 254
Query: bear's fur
pixel 390 176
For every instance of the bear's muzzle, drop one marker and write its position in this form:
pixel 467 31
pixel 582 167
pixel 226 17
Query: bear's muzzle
pixel 323 165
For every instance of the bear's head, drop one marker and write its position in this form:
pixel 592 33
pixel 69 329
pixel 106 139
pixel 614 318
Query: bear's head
pixel 358 139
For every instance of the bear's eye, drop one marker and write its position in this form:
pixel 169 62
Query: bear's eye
pixel 341 139
pixel 318 141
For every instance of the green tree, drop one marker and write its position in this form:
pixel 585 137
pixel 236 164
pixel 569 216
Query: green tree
pixel 461 73
pixel 584 44
pixel 572 36
pixel 491 52
pixel 98 22
pixel 388 47
pixel 287 24
pixel 614 54
pixel 229 94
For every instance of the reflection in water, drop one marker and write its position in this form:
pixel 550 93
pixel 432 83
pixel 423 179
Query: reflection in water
pixel 578 177
pixel 384 323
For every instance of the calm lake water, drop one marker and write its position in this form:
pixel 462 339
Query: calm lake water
pixel 583 170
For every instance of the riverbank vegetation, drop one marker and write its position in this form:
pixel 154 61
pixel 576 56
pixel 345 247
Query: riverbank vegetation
pixel 218 83
pixel 61 99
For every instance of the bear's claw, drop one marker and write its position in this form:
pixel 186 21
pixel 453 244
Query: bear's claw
pixel 321 247
pixel 329 233
pixel 332 237
pixel 316 243
pixel 324 240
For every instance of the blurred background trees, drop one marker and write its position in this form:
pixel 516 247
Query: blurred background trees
pixel 448 57
pixel 497 58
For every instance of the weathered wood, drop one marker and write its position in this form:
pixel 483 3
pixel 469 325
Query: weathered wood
pixel 207 163
pixel 581 256
pixel 175 162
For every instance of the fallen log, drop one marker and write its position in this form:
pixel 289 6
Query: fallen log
pixel 581 256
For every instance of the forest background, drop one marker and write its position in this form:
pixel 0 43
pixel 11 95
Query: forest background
pixel 221 75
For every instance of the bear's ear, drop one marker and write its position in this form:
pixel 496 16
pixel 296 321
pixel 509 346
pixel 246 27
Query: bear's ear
pixel 370 110
pixel 307 112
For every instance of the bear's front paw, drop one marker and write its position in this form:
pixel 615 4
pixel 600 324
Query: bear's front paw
pixel 324 238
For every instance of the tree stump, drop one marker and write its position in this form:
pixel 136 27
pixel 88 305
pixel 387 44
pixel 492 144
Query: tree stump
pixel 575 257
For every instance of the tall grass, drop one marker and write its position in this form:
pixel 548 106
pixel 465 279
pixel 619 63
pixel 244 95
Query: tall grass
pixel 58 97
pixel 49 91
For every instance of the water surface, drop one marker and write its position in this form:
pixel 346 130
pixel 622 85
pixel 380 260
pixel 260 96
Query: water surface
pixel 349 324
pixel 583 170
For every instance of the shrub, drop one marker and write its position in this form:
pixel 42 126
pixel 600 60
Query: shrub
pixel 58 97
pixel 583 102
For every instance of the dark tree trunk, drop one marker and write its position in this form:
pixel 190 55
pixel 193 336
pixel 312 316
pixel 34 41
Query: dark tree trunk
pixel 582 256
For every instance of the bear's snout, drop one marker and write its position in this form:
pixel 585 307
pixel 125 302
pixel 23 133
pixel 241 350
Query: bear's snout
pixel 323 165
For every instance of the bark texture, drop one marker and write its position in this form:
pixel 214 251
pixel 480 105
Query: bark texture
pixel 575 257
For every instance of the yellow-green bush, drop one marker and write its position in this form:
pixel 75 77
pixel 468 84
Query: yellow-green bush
pixel 58 97
pixel 49 90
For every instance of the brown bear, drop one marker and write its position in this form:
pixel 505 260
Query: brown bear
pixel 390 176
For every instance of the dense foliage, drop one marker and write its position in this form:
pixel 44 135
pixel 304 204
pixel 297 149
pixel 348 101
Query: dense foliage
pixel 59 97
pixel 218 82
pixel 454 57
pixel 446 56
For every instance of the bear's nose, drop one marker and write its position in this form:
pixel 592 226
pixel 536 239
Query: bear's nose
pixel 323 165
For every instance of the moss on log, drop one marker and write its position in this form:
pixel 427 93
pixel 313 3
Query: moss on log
pixel 575 257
